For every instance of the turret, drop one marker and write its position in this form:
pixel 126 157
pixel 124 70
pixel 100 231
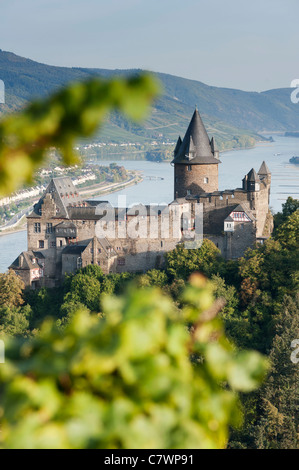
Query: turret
pixel 214 148
pixel 195 161
pixel 253 181
pixel 265 177
pixel 264 173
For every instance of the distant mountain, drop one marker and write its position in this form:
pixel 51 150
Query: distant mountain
pixel 233 116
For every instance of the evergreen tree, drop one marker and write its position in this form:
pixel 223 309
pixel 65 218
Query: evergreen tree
pixel 279 424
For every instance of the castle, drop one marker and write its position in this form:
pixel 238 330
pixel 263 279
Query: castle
pixel 63 233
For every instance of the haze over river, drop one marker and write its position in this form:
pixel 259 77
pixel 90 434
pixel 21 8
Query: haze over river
pixel 153 189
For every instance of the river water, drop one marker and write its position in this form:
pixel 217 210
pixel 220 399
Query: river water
pixel 157 186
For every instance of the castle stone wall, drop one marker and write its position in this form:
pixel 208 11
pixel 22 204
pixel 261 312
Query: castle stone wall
pixel 190 179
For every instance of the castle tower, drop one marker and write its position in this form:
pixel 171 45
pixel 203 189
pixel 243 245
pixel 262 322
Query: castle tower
pixel 264 173
pixel 265 176
pixel 195 161
pixel 252 180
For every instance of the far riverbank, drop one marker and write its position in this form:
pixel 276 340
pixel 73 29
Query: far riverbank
pixel 135 177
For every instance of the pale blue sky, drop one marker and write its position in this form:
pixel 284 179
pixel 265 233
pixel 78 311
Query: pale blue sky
pixel 246 44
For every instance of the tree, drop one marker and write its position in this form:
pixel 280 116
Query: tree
pixel 279 423
pixel 11 289
pixel 15 321
pixel 288 232
pixel 44 303
pixel 229 293
pixel 92 270
pixel 153 277
pixel 290 206
pixel 126 380
pixel 182 262
pixel 86 290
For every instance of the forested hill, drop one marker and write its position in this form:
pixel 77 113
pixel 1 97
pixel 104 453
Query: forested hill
pixel 234 116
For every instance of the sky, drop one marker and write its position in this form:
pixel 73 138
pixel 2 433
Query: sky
pixel 246 44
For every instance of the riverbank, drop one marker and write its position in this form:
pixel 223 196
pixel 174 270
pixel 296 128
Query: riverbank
pixel 19 227
pixel 259 143
pixel 135 177
pixel 16 230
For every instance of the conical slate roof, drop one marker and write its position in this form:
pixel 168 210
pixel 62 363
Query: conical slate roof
pixel 178 144
pixel 264 170
pixel 196 148
pixel 213 145
pixel 252 176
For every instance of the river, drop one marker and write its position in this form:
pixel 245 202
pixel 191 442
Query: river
pixel 157 185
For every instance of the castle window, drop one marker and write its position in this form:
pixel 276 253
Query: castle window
pixel 121 261
pixel 49 228
pixel 79 263
pixel 188 192
pixel 37 227
pixel 53 244
pixel 189 167
pixel 206 180
pixel 41 243
pixel 228 226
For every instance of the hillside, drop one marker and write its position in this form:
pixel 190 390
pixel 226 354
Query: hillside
pixel 233 116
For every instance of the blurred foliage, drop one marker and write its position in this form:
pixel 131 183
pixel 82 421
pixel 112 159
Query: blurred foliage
pixel 126 380
pixel 75 111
